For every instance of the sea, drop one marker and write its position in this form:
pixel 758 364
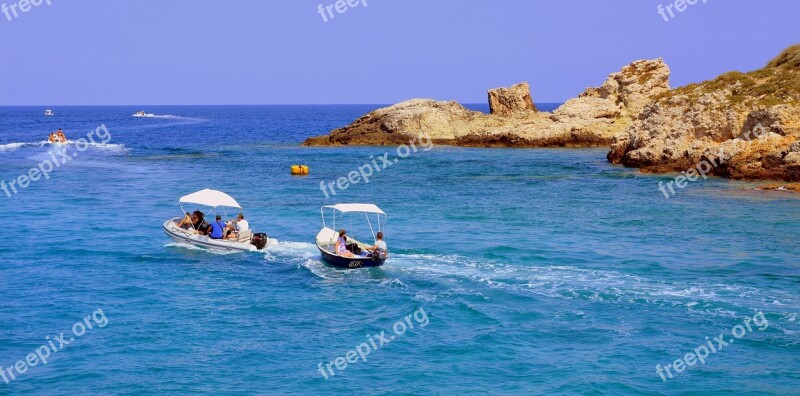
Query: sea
pixel 510 271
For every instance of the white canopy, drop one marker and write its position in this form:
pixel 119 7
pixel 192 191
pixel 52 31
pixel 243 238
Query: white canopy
pixel 211 198
pixel 366 208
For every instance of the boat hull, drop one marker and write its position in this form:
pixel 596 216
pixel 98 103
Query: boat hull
pixel 349 262
pixel 182 236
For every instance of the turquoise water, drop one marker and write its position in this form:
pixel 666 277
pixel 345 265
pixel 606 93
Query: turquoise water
pixel 542 271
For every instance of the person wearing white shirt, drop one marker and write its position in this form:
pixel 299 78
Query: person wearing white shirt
pixel 241 225
pixel 380 244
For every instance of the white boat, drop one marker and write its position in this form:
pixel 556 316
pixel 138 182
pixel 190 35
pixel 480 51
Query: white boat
pixel 48 112
pixel 246 241
pixel 327 237
pixel 143 114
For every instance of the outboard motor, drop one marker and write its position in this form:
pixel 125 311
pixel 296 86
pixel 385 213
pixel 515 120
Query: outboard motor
pixel 379 256
pixel 259 240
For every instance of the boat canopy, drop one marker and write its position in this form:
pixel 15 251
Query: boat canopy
pixel 211 198
pixel 364 208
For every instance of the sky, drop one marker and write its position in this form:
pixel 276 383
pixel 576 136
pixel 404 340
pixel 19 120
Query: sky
pixel 165 52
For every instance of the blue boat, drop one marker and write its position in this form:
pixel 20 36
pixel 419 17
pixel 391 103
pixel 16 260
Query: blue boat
pixel 357 254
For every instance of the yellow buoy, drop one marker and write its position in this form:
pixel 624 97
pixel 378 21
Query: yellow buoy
pixel 299 170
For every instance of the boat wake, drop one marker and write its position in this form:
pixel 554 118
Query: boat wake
pixel 169 117
pixel 270 243
pixel 158 116
pixel 601 286
pixel 455 273
pixel 198 248
pixel 70 143
pixel 11 146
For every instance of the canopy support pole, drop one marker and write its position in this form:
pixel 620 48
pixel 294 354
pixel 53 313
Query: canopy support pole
pixel 370 227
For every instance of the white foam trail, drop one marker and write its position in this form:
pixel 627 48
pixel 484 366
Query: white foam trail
pixel 109 146
pixel 11 146
pixel 43 143
pixel 553 281
pixel 101 146
pixel 193 247
pixel 169 117
pixel 305 255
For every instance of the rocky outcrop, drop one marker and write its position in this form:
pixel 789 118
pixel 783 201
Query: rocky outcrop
pixel 754 118
pixel 749 123
pixel 515 100
pixel 590 120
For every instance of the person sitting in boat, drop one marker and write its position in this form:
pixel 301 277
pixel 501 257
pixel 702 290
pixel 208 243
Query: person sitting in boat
pixel 200 225
pixel 61 137
pixel 240 225
pixel 187 221
pixel 217 230
pixel 341 245
pixel 380 245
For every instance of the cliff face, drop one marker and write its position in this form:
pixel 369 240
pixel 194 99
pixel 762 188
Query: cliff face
pixel 591 119
pixel 753 118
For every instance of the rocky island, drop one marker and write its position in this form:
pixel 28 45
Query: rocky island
pixel 590 120
pixel 753 118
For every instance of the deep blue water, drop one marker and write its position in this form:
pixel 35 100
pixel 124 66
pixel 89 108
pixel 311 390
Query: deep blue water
pixel 541 271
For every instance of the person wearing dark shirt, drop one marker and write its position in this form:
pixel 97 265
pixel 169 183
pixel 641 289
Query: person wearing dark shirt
pixel 200 224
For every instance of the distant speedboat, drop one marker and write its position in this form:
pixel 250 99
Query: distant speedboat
pixel 49 112
pixel 143 114
pixel 328 237
pixel 246 241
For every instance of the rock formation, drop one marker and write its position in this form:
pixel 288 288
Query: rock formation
pixel 511 101
pixel 591 119
pixel 751 120
pixel 754 118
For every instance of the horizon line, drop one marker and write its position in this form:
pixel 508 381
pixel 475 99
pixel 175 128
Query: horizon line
pixel 242 104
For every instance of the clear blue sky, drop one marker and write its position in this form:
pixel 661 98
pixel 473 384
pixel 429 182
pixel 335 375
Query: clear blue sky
pixel 282 52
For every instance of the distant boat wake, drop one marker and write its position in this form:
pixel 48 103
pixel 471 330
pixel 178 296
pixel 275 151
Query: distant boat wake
pixel 11 146
pixel 165 116
pixel 159 116
pixel 18 145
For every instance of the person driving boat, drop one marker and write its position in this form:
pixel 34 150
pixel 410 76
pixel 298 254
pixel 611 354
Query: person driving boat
pixel 235 227
pixel 380 245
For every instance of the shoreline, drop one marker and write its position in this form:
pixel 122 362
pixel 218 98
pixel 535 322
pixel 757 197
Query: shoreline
pixel 767 185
